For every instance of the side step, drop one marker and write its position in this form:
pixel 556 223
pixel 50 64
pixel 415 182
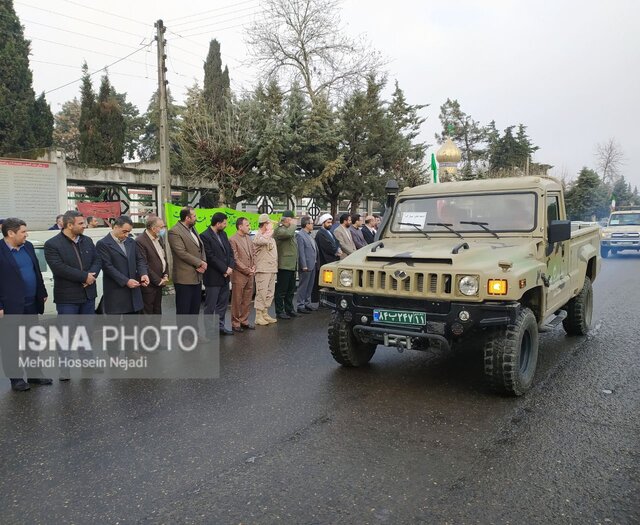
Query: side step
pixel 552 322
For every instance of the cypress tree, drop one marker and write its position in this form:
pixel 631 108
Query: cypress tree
pixel 88 120
pixel 111 125
pixel 216 89
pixel 24 122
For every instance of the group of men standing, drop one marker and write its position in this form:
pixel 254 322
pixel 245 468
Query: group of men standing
pixel 135 271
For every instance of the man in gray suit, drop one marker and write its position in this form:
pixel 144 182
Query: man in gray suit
pixel 307 259
pixel 124 270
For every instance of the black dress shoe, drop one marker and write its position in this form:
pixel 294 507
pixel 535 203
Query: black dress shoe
pixel 19 385
pixel 311 308
pixel 39 381
pixel 248 327
pixel 303 311
pixel 292 314
pixel 238 329
pixel 283 316
pixel 226 331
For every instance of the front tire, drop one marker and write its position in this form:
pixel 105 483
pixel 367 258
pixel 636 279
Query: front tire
pixel 345 347
pixel 580 311
pixel 604 252
pixel 511 355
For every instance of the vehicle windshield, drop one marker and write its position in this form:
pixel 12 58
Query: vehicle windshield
pixel 504 212
pixel 624 219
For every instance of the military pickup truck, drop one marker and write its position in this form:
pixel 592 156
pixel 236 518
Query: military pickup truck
pixel 622 232
pixel 491 261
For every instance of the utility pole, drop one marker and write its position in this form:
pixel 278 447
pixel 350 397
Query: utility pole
pixel 165 172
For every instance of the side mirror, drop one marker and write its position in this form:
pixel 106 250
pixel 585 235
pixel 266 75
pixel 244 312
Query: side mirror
pixel 558 231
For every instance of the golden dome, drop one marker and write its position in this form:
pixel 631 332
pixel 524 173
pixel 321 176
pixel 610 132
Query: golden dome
pixel 448 153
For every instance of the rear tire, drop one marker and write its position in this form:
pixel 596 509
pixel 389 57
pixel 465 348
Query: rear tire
pixel 511 355
pixel 345 348
pixel 580 311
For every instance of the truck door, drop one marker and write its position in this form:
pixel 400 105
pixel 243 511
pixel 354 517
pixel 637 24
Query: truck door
pixel 557 264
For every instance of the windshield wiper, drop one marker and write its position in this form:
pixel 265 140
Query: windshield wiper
pixel 445 225
pixel 416 226
pixel 482 225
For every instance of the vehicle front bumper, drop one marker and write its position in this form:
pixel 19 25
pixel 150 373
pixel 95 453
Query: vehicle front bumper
pixel 443 318
pixel 620 244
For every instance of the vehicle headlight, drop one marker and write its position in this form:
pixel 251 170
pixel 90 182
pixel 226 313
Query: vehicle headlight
pixel 346 277
pixel 606 235
pixel 468 285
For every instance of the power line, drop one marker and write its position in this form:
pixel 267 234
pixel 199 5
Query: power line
pixel 213 26
pixel 76 67
pixel 106 12
pixel 215 16
pixel 85 49
pixel 217 30
pixel 79 34
pixel 99 70
pixel 211 10
pixel 78 19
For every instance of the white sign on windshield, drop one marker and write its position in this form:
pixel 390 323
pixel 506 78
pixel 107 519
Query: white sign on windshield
pixel 413 217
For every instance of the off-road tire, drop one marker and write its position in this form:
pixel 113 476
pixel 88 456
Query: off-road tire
pixel 604 252
pixel 580 311
pixel 511 355
pixel 345 348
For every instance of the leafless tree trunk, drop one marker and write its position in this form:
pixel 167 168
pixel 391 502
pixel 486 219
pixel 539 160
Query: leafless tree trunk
pixel 302 39
pixel 610 159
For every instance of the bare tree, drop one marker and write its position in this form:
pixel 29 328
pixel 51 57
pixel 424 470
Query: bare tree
pixel 610 159
pixel 301 40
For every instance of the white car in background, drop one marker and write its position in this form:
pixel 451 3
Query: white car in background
pixel 38 238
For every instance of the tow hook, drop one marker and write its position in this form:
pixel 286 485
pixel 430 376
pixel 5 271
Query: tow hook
pixel 401 342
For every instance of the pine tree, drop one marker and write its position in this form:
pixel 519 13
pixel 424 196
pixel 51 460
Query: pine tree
pixel 23 120
pixel 323 164
pixel 134 124
pixel 408 167
pixel 66 133
pixel 216 90
pixel 149 143
pixel 587 197
pixel 467 133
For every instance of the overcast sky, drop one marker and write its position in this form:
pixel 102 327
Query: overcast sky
pixel 567 69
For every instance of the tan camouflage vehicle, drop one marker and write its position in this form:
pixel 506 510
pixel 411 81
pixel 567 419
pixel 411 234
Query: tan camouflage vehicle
pixel 622 231
pixel 489 260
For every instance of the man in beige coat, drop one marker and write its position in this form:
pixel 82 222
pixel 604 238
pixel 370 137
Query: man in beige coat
pixel 244 255
pixel 189 263
pixel 344 237
pixel 266 270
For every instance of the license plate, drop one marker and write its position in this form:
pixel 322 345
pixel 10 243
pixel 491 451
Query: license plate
pixel 400 317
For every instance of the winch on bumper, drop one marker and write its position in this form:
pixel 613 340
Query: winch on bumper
pixel 414 323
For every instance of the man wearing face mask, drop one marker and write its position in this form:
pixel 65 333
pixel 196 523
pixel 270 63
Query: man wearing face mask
pixel 151 246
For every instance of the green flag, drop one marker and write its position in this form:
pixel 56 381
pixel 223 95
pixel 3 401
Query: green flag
pixel 434 167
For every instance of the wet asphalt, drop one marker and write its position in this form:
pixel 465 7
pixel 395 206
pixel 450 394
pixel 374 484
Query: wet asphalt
pixel 287 436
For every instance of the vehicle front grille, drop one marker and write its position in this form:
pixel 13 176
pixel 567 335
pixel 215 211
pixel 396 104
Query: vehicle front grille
pixel 423 284
pixel 626 235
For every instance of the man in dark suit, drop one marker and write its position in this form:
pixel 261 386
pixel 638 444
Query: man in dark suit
pixel 75 265
pixel 220 265
pixel 125 270
pixel 368 230
pixel 150 246
pixel 307 259
pixel 189 263
pixel 22 290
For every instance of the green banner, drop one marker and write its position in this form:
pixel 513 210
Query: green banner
pixel 204 217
